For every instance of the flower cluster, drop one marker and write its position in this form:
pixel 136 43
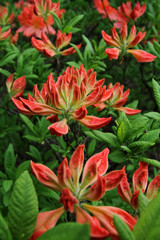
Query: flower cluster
pixel 74 193
pixel 45 7
pixel 75 90
pixel 123 14
pixel 139 182
pixel 46 46
pixel 122 44
pixel 33 23
pixel 117 99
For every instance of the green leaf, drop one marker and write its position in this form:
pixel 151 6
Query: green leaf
pixel 23 208
pixel 140 144
pixel 147 226
pixel 109 138
pixel 150 136
pixel 91 135
pixel 7 58
pixel 123 229
pixel 117 157
pixel 65 231
pixel 4 230
pixel 9 159
pixel 154 115
pixel 91 147
pixel 28 123
pixel 22 167
pixel 156 90
pixel 78 52
pixel 7 184
pixel 122 132
pixel 34 152
pixel 143 202
pixel 75 20
pixel 57 20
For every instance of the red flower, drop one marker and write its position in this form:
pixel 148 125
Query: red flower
pixel 126 13
pixel 69 97
pixel 74 191
pixel 16 88
pixel 46 46
pixel 116 99
pixel 123 44
pixel 139 181
pixel 4 35
pixel 4 18
pixel 44 8
pixel 34 25
pixel 106 10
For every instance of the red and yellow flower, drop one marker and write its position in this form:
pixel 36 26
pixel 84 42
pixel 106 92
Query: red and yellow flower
pixel 139 182
pixel 44 8
pixel 5 19
pixel 46 46
pixel 16 88
pixel 122 44
pixel 4 35
pixel 93 185
pixel 117 99
pixel 69 97
pixel 34 25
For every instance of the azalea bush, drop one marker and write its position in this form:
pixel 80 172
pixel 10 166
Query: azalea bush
pixel 80 120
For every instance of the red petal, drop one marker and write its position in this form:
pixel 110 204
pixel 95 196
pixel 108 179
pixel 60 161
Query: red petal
pixel 142 56
pixel 140 177
pixel 76 163
pixel 94 122
pixel 97 231
pixel 46 221
pixel 59 128
pixel 45 176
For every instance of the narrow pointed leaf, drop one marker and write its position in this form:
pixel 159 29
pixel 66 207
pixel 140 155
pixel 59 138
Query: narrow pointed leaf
pixel 23 208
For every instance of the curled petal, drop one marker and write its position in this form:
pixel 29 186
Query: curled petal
pixel 140 177
pixel 80 113
pixel 98 162
pixel 123 32
pixel 96 230
pixel 128 111
pixel 19 105
pixel 124 190
pixel 112 53
pixel 142 56
pixel 109 40
pixel 153 187
pixel 68 200
pixel 45 176
pixel 134 199
pixel 38 108
pixel 105 217
pixel 46 221
pixel 90 176
pixel 64 174
pixel 138 38
pixel 76 163
pixel 94 122
pixel 113 178
pixel 96 191
pixel 59 128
